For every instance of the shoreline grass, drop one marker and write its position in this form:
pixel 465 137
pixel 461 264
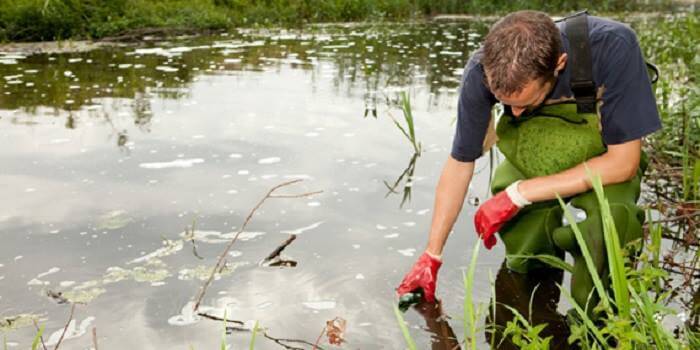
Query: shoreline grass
pixel 47 20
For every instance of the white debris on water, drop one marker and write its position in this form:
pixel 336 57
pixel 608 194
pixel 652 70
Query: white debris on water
pixel 19 257
pixel 37 282
pixel 187 315
pixel 407 252
pixel 264 305
pixel 243 172
pixel 66 284
pixel 298 176
pixel 167 69
pixel 235 253
pixel 270 160
pixel 320 305
pixel 50 271
pixel 423 212
pixel 380 227
pixel 391 235
pixel 71 331
pixel 170 247
pixel 409 224
pixel 178 163
pixel 359 276
pixel 232 60
pixel 303 229
pixel 313 204
pixel 235 155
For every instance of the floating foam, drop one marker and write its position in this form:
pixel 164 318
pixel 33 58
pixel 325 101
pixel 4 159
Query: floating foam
pixel 71 331
pixel 320 305
pixel 270 160
pixel 178 163
pixel 303 229
pixel 407 252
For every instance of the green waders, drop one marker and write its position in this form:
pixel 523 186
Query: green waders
pixel 553 139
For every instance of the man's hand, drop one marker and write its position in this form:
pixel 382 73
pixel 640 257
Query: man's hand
pixel 423 275
pixel 497 211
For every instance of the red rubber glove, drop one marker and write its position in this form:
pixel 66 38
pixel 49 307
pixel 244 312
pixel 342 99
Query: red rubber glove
pixel 497 211
pixel 423 275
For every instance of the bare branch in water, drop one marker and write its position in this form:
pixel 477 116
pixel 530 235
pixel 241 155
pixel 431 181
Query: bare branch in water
pixel 94 337
pixel 276 253
pixel 70 318
pixel 219 262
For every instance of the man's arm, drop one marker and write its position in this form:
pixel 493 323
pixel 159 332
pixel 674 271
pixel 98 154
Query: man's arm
pixel 618 164
pixel 449 197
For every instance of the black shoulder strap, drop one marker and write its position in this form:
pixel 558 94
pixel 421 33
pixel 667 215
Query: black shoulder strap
pixel 580 62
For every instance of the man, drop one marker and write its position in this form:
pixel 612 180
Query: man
pixel 525 63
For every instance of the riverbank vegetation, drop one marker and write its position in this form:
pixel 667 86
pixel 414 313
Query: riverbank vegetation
pixel 44 20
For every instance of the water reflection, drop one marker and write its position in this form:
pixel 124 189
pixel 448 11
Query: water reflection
pixel 371 55
pixel 535 296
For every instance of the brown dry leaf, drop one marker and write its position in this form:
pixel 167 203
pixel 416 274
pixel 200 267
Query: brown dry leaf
pixel 335 329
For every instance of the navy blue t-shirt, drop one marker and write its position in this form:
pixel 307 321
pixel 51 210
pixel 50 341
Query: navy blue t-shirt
pixel 628 111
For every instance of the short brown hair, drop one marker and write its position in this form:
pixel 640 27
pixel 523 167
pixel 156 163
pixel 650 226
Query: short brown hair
pixel 519 48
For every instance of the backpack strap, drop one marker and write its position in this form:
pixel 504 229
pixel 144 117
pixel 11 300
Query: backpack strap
pixel 581 81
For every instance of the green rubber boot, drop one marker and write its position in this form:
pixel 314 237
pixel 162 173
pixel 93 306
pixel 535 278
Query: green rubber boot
pixel 628 218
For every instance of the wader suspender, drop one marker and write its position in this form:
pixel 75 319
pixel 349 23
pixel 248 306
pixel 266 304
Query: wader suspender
pixel 581 81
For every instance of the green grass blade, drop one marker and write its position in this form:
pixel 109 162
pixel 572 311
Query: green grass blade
pixel 469 312
pixel 252 339
pixel 404 329
pixel 586 255
pixel 616 264
pixel 590 326
pixel 37 338
pixel 493 311
pixel 223 335
pixel 550 260
pixel 408 114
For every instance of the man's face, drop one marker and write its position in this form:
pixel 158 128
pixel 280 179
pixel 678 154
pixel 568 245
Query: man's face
pixel 532 95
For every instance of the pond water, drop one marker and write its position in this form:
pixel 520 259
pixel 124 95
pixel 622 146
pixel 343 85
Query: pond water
pixel 114 154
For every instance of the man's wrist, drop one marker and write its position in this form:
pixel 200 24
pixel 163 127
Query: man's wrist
pixel 437 256
pixel 516 196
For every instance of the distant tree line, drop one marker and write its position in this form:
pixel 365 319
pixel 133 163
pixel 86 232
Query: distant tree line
pixel 35 20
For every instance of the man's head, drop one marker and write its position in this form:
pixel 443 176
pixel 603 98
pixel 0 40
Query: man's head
pixel 522 59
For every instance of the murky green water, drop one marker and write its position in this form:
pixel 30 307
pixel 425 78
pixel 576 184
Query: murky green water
pixel 112 153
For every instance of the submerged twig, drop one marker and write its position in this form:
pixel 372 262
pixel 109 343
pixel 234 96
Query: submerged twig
pixel 220 261
pixel 323 331
pixel 41 337
pixel 276 253
pixel 217 318
pixel 94 337
pixel 70 318
pixel 281 341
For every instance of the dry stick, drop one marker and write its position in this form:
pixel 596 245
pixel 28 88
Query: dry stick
pixel 275 253
pixel 36 325
pixel 216 318
pixel 323 331
pixel 280 341
pixel 220 262
pixel 94 337
pixel 70 318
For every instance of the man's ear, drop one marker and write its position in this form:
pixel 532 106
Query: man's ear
pixel 561 62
